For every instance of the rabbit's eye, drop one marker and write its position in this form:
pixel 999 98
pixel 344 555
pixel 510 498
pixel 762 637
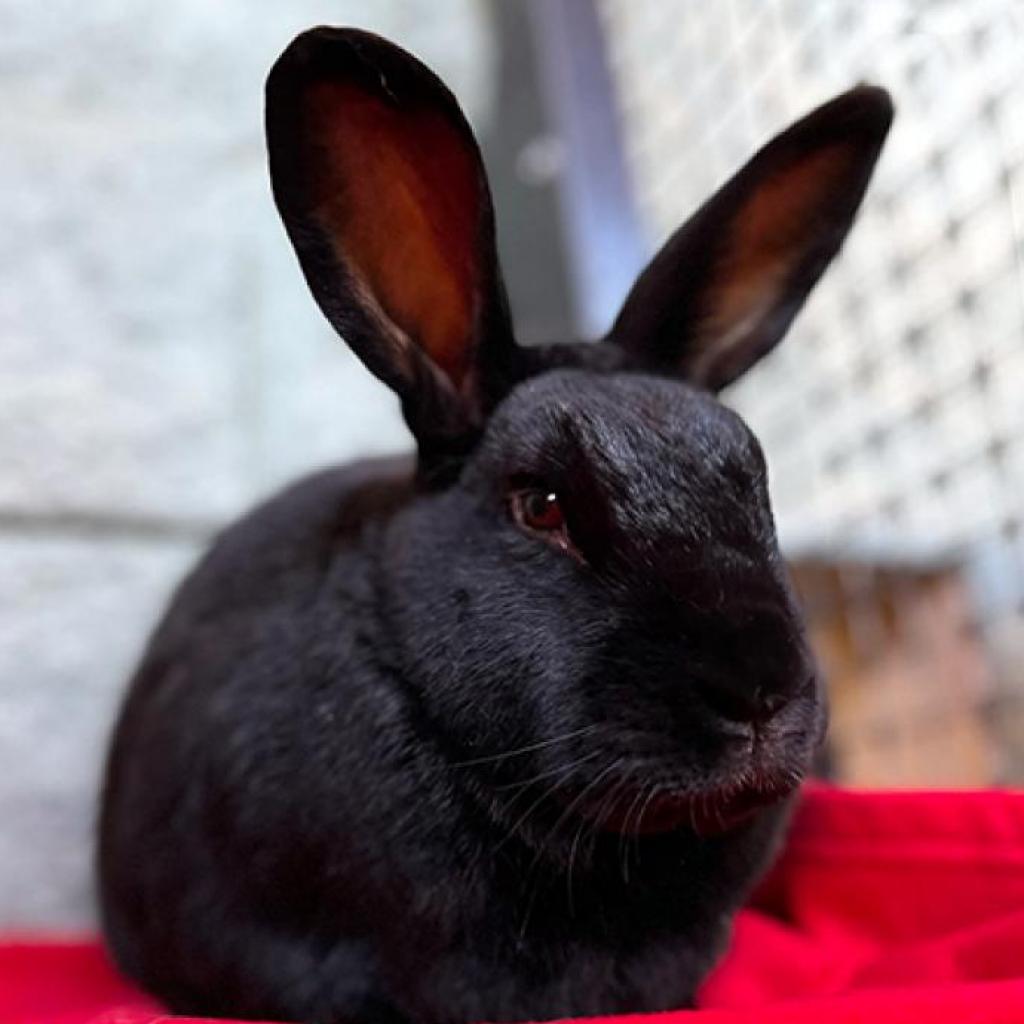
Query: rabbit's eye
pixel 538 510
pixel 541 511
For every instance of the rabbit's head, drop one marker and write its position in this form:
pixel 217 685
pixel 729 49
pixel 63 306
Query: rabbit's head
pixel 588 592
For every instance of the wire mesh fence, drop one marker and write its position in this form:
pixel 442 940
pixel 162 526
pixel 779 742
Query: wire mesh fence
pixel 893 419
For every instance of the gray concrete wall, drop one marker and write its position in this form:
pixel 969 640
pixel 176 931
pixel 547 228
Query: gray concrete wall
pixel 161 363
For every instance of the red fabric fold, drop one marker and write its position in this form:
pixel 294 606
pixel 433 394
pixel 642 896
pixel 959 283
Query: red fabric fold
pixel 884 908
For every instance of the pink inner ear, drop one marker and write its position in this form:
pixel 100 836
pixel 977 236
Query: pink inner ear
pixel 771 234
pixel 397 191
pixel 783 217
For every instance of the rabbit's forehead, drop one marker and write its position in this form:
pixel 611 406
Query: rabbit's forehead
pixel 626 417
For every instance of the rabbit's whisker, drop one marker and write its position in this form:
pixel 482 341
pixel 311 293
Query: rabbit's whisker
pixel 530 747
pixel 573 804
pixel 624 835
pixel 646 792
pixel 572 860
pixel 505 787
pixel 565 774
pixel 654 791
pixel 533 872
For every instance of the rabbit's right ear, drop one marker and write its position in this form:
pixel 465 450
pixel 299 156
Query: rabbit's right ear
pixel 379 181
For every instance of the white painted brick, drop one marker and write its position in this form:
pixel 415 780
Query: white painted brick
pixel 74 615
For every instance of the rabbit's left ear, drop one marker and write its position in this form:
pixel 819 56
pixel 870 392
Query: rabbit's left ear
pixel 382 190
pixel 726 286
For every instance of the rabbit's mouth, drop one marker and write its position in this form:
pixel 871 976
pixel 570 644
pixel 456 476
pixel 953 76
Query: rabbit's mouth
pixel 709 814
pixel 656 789
pixel 660 808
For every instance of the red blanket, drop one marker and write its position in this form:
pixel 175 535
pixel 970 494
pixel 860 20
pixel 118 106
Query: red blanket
pixel 884 908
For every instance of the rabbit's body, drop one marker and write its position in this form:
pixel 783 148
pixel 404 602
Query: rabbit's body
pixel 506 731
pixel 254 743
pixel 271 876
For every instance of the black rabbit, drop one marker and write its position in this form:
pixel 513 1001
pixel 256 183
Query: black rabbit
pixel 509 730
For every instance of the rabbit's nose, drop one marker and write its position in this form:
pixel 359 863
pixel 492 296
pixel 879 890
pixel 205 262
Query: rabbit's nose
pixel 740 700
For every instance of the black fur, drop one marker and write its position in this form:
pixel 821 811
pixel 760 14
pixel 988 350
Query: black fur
pixel 391 757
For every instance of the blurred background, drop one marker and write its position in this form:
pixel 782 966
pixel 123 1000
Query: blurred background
pixel 162 365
